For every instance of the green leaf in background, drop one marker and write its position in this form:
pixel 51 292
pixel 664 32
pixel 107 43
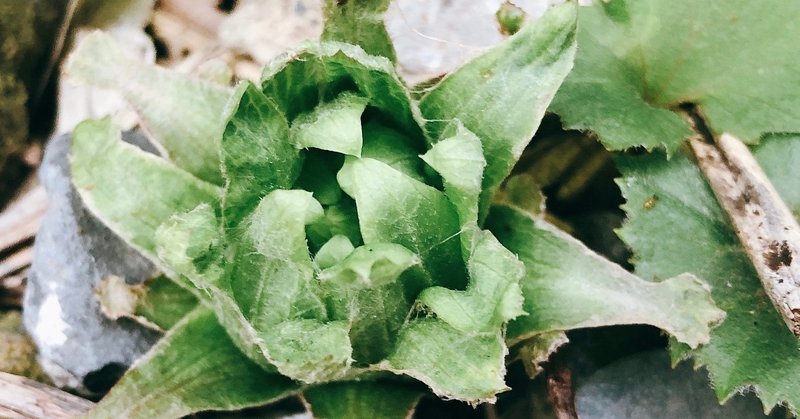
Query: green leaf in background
pixel 116 182
pixel 194 367
pixel 363 400
pixel 317 72
pixel 502 95
pixel 255 140
pixel 319 175
pixel 567 286
pixel 394 208
pixel 182 113
pixel 333 126
pixel 359 22
pixel 638 60
pixel 684 229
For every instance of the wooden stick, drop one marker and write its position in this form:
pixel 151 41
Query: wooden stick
pixel 16 262
pixel 24 398
pixel 765 225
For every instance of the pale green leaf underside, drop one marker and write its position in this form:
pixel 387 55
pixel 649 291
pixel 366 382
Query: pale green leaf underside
pixel 359 22
pixel 502 95
pixel 363 400
pixel 567 286
pixel 335 250
pixel 460 353
pixel 182 113
pixel 333 126
pixel 686 230
pixel 370 266
pixel 194 367
pixel 638 60
pixel 116 182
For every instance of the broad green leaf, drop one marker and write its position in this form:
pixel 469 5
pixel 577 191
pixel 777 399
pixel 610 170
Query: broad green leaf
pixel 192 368
pixel 394 208
pixel 502 95
pixel 468 367
pixel 317 72
pixel 333 126
pixel 493 295
pixel 117 182
pixel 255 141
pixel 164 302
pixel 459 160
pixel 363 400
pixel 359 22
pixel 675 224
pixel 567 286
pixel 639 60
pixel 184 114
pixel 370 266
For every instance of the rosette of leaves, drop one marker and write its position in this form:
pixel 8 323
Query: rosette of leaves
pixel 336 233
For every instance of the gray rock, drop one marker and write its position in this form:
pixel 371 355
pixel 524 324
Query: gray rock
pixel 645 386
pixel 79 347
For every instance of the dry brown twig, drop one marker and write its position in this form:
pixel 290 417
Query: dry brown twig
pixel 764 224
pixel 24 398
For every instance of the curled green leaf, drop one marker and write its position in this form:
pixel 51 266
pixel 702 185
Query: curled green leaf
pixel 116 181
pixel 560 269
pixel 182 113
